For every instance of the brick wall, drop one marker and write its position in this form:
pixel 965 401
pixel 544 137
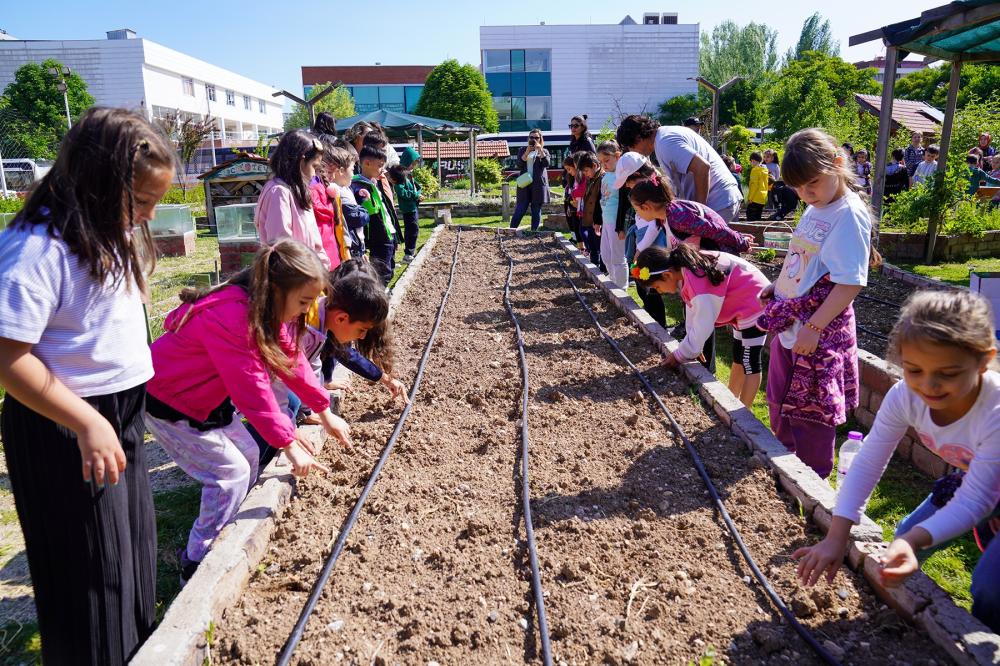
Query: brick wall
pixel 235 254
pixel 179 245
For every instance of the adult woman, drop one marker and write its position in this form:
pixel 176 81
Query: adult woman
pixel 532 160
pixel 581 141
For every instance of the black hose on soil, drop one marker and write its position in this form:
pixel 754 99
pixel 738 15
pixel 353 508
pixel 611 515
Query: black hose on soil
pixel 536 576
pixel 300 625
pixel 758 574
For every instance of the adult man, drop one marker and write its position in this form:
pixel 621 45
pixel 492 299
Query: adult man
pixel 696 171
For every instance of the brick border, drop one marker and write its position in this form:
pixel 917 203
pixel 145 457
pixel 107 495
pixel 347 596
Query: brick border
pixel 920 600
pixel 181 639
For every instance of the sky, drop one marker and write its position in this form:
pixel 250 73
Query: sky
pixel 270 41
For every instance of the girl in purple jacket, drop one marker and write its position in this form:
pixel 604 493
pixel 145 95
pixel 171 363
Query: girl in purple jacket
pixel 217 356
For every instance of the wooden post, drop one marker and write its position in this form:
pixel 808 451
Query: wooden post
pixel 420 141
pixel 949 121
pixel 884 130
pixel 505 202
pixel 472 162
pixel 716 101
pixel 440 180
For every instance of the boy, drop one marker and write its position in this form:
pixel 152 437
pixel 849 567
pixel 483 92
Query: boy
pixel 353 217
pixel 613 240
pixel 978 177
pixel 408 196
pixel 926 168
pixel 381 235
pixel 757 189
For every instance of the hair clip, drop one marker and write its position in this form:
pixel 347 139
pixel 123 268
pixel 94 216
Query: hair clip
pixel 655 180
pixel 317 145
pixel 644 273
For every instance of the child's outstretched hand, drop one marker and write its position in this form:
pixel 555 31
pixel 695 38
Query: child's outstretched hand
pixel 103 457
pixel 806 341
pixel 337 428
pixel 898 563
pixel 826 556
pixel 397 389
pixel 298 453
pixel 670 361
pixel 364 194
pixel 337 385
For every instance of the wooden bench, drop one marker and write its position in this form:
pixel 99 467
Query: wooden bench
pixel 441 209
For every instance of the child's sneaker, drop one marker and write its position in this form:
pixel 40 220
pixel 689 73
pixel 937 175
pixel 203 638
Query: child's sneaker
pixel 407 258
pixel 188 566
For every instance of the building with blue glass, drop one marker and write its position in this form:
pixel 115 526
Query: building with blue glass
pixel 387 87
pixel 542 75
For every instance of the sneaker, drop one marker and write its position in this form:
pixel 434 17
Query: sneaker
pixel 679 331
pixel 407 258
pixel 188 566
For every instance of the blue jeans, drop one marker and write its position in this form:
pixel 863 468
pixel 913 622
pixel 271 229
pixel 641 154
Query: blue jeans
pixel 522 208
pixel 267 452
pixel 985 590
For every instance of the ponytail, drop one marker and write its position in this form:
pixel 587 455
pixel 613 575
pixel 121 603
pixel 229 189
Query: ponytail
pixel 655 260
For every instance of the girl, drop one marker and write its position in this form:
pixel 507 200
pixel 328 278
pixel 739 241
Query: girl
pixel 569 204
pixel 579 190
pixel 591 216
pixel 817 345
pixel 533 180
pixel 218 354
pixel 612 211
pixel 284 209
pixel 718 289
pixel 863 171
pixel 945 343
pixel 74 361
pixel 329 223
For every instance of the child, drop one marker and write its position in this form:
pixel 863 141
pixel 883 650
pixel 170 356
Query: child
pixel 978 177
pixel 995 166
pixel 785 200
pixel 718 289
pixel 569 203
pixel 771 164
pixel 945 343
pixel 409 195
pixel 218 354
pixel 380 235
pixel 613 241
pixel 757 188
pixel 74 361
pixel 914 153
pixel 863 171
pixel 591 214
pixel 284 209
pixel 325 208
pixel 353 218
pixel 827 262
pixel 928 167
pixel 897 178
pixel 579 190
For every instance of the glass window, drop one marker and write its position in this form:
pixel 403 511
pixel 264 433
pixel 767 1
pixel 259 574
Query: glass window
pixel 517 84
pixel 517 61
pixel 246 102
pixel 496 61
pixel 210 92
pixel 366 94
pixel 537 60
pixel 412 97
pixel 188 87
pixel 261 106
pixel 538 108
pixel 538 84
pixel 230 98
pixel 499 84
pixel 392 98
pixel 517 108
pixel 502 106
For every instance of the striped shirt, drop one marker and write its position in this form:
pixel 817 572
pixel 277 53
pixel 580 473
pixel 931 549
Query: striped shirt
pixel 91 337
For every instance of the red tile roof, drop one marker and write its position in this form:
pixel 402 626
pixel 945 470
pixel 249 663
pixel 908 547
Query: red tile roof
pixel 459 150
pixel 914 116
pixel 367 74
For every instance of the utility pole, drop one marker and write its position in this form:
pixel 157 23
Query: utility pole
pixel 63 88
pixel 716 101
pixel 309 104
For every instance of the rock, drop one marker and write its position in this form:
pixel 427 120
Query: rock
pixel 273 569
pixel 569 572
pixel 459 634
pixel 746 579
pixel 803 606
pixel 524 623
pixel 843 594
pixel 631 651
pixel 843 612
pixel 768 639
pixel 418 554
pixel 631 421
pixel 493 616
pixel 835 650
pixel 336 625
pixel 366 587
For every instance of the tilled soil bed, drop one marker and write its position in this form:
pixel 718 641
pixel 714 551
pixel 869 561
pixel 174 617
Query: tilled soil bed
pixel 636 565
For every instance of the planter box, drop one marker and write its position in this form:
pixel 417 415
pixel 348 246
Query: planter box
pixel 910 247
pixel 175 245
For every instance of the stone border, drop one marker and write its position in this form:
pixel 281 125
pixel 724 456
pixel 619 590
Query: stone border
pixel 919 600
pixel 182 638
pixel 906 277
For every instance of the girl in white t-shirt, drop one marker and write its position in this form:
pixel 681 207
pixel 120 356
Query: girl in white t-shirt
pixel 74 360
pixel 945 344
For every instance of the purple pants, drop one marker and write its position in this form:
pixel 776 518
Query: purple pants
pixel 812 442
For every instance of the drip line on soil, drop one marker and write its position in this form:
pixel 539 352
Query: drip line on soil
pixel 293 639
pixel 536 576
pixel 716 499
pixel 874 334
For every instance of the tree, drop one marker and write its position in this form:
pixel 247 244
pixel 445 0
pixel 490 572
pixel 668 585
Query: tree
pixel 676 109
pixel 816 35
pixel 750 52
pixel 39 105
pixel 977 82
pixel 812 91
pixel 339 103
pixel 458 93
pixel 187 135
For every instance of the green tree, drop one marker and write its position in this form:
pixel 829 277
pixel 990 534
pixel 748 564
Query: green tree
pixel 931 85
pixel 816 35
pixel 488 172
pixel 458 93
pixel 339 103
pixel 750 52
pixel 737 140
pixel 676 109
pixel 814 91
pixel 38 105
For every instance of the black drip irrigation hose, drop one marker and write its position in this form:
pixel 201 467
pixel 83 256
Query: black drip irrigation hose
pixel 324 576
pixel 536 576
pixel 874 334
pixel 873 299
pixel 810 640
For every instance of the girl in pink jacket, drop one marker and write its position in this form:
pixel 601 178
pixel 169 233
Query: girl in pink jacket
pixel 718 289
pixel 217 356
pixel 284 209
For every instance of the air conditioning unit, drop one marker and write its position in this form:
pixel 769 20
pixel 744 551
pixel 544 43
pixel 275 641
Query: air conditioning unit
pixel 669 18
pixel 651 19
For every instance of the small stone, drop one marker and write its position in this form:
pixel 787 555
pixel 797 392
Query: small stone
pixel 523 622
pixel 842 612
pixel 843 594
pixel 336 625
pixel 366 587
pixel 631 651
pixel 273 569
pixel 746 579
pixel 418 554
pixel 405 526
pixel 493 616
pixel 835 650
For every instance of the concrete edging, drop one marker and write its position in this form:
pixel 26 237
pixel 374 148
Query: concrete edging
pixel 182 638
pixel 920 600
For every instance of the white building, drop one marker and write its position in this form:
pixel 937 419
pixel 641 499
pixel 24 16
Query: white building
pixel 542 75
pixel 131 72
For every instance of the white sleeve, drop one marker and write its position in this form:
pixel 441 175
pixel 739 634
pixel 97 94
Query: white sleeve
pixel 974 500
pixel 890 426
pixel 702 313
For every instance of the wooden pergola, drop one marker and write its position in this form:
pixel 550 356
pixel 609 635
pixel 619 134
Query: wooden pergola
pixel 965 31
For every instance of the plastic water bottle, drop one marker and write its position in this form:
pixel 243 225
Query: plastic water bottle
pixel 848 450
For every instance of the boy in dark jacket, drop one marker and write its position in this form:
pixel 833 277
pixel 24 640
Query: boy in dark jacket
pixel 369 190
pixel 408 197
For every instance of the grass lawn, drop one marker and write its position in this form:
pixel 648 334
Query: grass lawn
pixel 955 273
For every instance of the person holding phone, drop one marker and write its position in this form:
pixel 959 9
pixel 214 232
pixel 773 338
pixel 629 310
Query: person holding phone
pixel 532 180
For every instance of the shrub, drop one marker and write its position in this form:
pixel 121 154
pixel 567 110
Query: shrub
pixel 461 184
pixel 12 204
pixel 427 180
pixel 175 195
pixel 487 172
